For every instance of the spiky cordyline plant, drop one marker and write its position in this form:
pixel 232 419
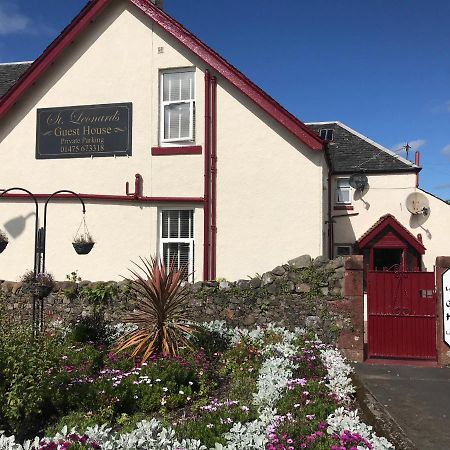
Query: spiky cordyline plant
pixel 161 312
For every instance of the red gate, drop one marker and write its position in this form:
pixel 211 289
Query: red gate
pixel 401 315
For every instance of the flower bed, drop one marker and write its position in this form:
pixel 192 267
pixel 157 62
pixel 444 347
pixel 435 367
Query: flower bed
pixel 268 389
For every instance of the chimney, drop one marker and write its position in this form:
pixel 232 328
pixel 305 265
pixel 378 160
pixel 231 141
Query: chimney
pixel 158 3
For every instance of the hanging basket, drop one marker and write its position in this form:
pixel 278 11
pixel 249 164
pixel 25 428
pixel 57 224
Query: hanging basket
pixel 39 290
pixel 83 248
pixel 83 241
pixel 39 285
pixel 3 245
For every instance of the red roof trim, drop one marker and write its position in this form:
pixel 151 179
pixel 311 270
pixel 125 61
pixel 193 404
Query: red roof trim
pixel 172 27
pixel 390 221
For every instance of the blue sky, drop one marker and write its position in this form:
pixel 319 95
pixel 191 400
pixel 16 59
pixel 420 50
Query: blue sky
pixel 380 66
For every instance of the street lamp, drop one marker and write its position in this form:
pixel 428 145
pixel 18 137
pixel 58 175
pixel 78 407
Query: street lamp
pixel 39 247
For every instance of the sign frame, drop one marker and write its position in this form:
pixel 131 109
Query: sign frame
pixel 112 136
pixel 445 285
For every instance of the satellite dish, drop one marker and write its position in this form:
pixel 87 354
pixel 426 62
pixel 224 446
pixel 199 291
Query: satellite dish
pixel 417 203
pixel 358 181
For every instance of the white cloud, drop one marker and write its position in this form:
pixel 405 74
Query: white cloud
pixel 446 150
pixel 11 21
pixel 415 145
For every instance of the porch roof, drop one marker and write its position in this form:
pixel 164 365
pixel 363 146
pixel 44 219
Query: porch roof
pixel 388 220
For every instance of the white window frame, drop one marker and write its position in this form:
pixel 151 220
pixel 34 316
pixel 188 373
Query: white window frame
pixel 176 141
pixel 169 240
pixel 326 130
pixel 337 190
pixel 348 246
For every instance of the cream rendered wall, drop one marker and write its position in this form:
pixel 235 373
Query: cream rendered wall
pixel 387 194
pixel 269 191
pixel 115 60
pixel 270 187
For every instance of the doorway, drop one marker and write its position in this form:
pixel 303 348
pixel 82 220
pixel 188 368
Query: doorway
pixel 387 259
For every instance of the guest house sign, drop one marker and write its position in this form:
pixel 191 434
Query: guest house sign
pixel 446 304
pixel 84 131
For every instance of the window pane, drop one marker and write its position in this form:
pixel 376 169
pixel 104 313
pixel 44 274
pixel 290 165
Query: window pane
pixel 177 121
pixel 177 224
pixel 177 254
pixel 343 196
pixel 343 183
pixel 343 250
pixel 183 250
pixel 187 85
pixel 329 135
pixel 178 86
pixel 171 87
pixel 165 224
pixel 174 231
pixel 185 224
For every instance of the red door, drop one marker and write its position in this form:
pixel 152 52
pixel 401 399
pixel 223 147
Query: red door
pixel 401 315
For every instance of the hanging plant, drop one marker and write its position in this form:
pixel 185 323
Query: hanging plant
pixel 41 285
pixel 3 241
pixel 83 241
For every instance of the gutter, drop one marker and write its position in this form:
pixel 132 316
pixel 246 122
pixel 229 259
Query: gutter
pixel 111 198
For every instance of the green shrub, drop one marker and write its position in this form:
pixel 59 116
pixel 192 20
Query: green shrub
pixel 99 294
pixel 25 388
pixel 92 329
pixel 212 342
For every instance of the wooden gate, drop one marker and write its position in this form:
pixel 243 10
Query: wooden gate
pixel 401 315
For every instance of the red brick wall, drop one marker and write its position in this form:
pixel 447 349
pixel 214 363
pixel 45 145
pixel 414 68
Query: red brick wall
pixel 351 340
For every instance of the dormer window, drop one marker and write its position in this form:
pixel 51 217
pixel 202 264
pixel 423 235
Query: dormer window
pixel 326 134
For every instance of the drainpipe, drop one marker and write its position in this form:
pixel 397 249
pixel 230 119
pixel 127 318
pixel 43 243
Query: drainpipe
pixel 330 220
pixel 417 162
pixel 206 218
pixel 213 175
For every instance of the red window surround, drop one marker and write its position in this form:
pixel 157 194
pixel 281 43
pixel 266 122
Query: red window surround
pixel 344 207
pixel 188 150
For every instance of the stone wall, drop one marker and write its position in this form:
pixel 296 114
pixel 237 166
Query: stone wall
pixel 305 292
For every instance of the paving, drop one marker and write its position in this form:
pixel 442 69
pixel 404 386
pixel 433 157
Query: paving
pixel 417 398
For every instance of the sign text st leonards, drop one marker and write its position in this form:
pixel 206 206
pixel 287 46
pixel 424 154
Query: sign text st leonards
pixel 84 131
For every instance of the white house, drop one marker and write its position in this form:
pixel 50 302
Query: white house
pixel 211 149
pixel 221 176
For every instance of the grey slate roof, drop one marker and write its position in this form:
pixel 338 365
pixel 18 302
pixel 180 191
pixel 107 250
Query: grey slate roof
pixel 10 73
pixel 352 152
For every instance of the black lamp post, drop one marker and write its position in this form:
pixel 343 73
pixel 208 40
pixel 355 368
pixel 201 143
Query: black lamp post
pixel 39 248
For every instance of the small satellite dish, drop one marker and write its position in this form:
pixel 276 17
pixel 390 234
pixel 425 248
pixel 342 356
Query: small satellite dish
pixel 417 203
pixel 358 181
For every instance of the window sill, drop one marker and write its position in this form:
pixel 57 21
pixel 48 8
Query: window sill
pixel 186 150
pixel 344 207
